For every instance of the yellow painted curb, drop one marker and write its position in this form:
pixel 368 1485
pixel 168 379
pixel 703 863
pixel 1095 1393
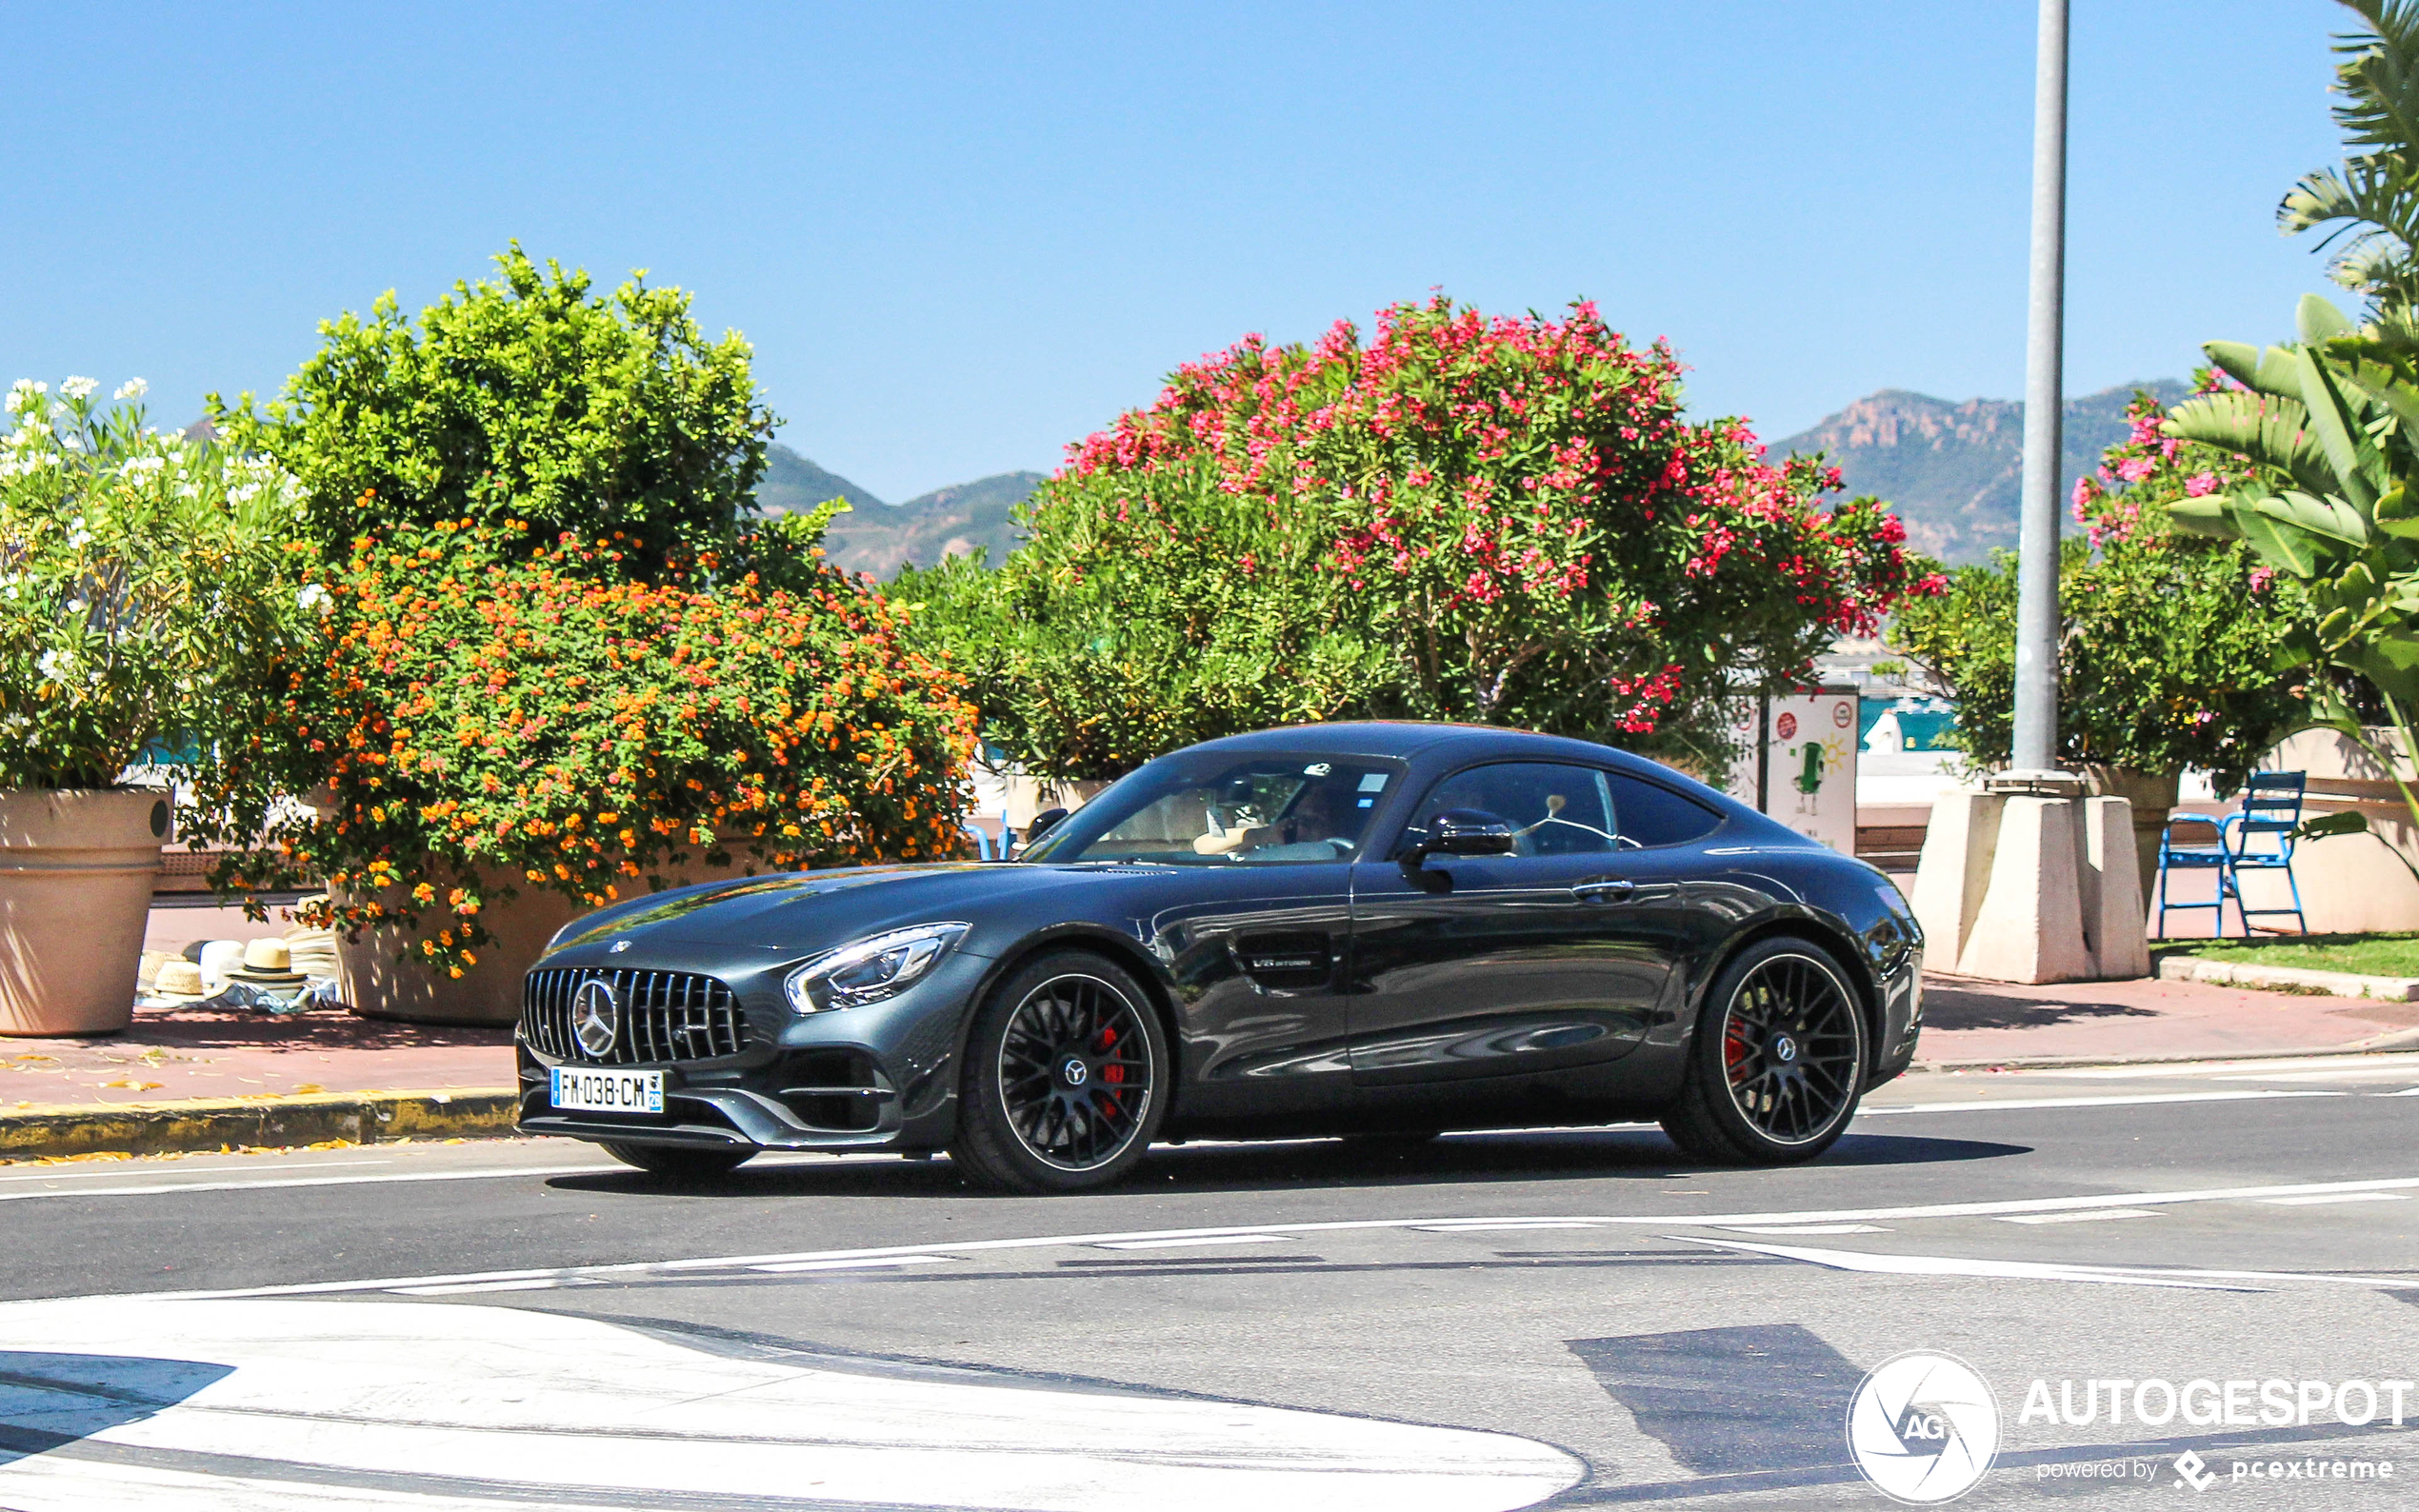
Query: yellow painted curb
pixel 186 1125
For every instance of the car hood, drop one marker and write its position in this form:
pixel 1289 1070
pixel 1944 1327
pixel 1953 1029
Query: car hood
pixel 796 913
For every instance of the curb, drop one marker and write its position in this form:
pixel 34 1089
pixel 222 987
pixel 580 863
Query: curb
pixel 2220 972
pixel 190 1124
pixel 2401 1041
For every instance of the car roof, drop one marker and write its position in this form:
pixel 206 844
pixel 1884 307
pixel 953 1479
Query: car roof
pixel 1407 738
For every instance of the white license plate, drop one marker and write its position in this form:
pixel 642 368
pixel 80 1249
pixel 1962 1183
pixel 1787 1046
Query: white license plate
pixel 609 1091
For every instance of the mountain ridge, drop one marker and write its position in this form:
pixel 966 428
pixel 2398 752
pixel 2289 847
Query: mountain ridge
pixel 880 538
pixel 1953 469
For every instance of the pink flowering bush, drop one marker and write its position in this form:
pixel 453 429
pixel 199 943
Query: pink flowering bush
pixel 1504 520
pixel 2169 652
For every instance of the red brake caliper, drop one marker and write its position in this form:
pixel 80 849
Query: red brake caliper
pixel 1113 1074
pixel 1734 1049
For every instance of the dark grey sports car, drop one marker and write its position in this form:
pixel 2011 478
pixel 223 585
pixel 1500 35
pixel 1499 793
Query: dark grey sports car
pixel 1386 930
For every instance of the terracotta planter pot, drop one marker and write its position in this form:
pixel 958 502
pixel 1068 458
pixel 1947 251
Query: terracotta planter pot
pixel 2153 797
pixel 379 986
pixel 76 869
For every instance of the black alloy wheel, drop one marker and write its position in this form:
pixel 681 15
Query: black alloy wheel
pixel 1779 1059
pixel 1063 1079
pixel 682 1164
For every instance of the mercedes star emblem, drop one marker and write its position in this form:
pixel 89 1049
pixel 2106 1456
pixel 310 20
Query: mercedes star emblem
pixel 596 1017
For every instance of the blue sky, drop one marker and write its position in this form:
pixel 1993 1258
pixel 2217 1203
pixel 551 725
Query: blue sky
pixel 963 236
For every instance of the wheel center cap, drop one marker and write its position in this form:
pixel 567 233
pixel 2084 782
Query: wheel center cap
pixel 1074 1072
pixel 1785 1049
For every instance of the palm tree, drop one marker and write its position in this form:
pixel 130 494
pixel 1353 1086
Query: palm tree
pixel 2372 200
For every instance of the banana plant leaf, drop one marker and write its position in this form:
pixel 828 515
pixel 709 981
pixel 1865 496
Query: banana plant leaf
pixel 2267 370
pixel 2391 660
pixel 2269 429
pixel 2337 425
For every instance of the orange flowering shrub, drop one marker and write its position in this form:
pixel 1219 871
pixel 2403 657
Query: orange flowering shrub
pixel 478 704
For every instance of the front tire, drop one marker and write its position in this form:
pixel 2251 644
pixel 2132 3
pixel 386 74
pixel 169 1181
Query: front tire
pixel 675 1163
pixel 1065 1081
pixel 1778 1060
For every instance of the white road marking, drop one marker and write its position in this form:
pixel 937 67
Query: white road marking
pixel 1804 1228
pixel 1187 1242
pixel 2389 1062
pixel 639 1269
pixel 858 1264
pixel 82 1172
pixel 2332 1073
pixel 1459 1225
pixel 393 1403
pixel 263 1182
pixel 484 1174
pixel 2013 1104
pixel 2038 1270
pixel 1958 1265
pixel 466 1288
pixel 2090 1216
pixel 2324 1199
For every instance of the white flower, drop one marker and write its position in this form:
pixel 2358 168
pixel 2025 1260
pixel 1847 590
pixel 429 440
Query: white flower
pixel 78 388
pixel 69 441
pixel 53 665
pixel 76 606
pixel 311 597
pixel 131 388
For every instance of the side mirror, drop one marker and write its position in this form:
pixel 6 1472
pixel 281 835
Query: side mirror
pixel 1463 832
pixel 1047 820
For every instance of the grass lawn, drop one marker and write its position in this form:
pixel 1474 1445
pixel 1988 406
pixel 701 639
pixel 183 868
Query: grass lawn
pixel 2370 955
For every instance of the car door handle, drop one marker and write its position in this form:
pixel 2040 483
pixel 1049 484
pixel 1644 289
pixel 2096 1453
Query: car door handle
pixel 1609 891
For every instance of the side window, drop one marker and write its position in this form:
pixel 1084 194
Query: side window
pixel 1653 815
pixel 1554 809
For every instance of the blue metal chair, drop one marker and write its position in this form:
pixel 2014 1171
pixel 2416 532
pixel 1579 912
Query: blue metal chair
pixel 2175 855
pixel 986 848
pixel 2258 837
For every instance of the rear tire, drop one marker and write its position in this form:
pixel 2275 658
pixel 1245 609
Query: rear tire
pixel 1065 1081
pixel 1778 1060
pixel 675 1163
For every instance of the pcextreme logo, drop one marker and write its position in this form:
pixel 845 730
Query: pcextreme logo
pixel 1923 1427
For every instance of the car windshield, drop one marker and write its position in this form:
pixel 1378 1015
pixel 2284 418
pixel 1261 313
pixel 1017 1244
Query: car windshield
pixel 1220 808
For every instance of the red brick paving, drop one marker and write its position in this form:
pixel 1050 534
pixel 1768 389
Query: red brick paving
pixel 1967 1021
pixel 186 1052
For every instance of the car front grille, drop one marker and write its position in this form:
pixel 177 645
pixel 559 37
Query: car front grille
pixel 665 1016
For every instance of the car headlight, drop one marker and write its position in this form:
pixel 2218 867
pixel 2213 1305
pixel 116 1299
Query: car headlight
pixel 870 970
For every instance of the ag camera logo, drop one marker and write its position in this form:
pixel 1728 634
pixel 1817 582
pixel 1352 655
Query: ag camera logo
pixel 1923 1427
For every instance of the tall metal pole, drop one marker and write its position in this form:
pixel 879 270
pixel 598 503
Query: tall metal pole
pixel 2036 734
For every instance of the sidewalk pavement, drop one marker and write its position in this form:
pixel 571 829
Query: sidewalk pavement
pixel 1970 1024
pixel 190 1079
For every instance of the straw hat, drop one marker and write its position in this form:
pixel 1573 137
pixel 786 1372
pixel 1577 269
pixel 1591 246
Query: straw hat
pixel 219 959
pixel 179 980
pixel 310 951
pixel 267 963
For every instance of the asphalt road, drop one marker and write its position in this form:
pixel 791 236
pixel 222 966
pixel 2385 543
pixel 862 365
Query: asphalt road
pixel 1565 1318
